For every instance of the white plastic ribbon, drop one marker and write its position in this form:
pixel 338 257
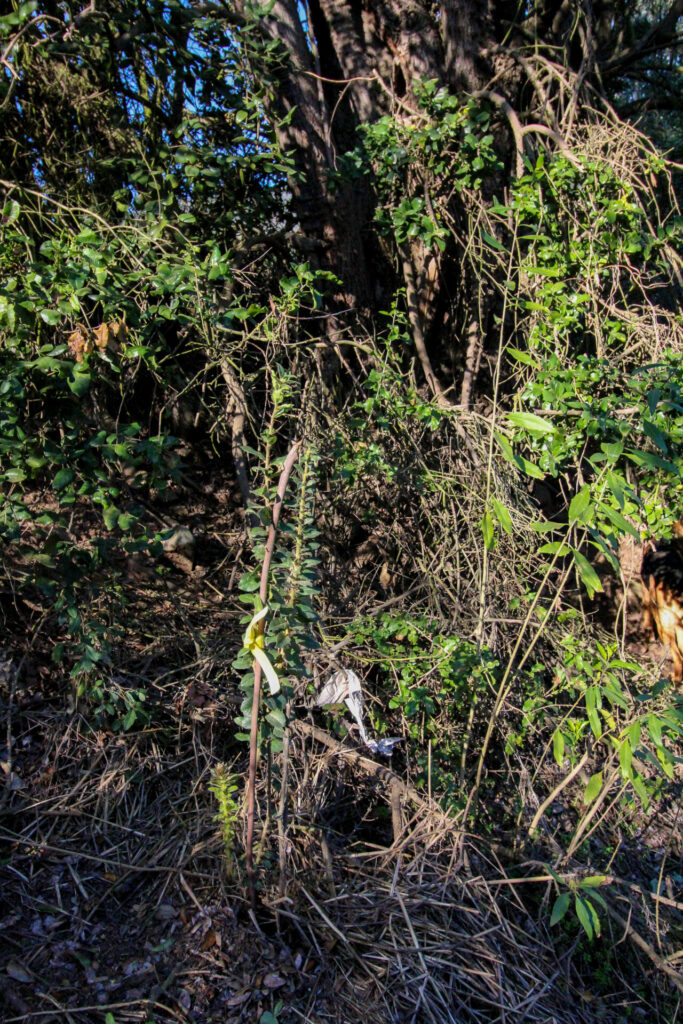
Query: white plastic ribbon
pixel 254 642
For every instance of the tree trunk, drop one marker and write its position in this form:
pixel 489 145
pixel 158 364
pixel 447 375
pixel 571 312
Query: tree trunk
pixel 353 61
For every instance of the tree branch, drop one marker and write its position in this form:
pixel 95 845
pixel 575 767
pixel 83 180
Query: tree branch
pixel 660 36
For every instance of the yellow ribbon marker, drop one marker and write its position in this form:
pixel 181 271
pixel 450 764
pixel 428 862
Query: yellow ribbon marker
pixel 255 643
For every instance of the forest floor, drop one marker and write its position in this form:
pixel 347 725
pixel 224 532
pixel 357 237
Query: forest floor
pixel 117 904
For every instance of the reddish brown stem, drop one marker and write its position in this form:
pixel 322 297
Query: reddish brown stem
pixel 263 594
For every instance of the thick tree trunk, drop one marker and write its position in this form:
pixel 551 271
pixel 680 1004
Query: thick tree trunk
pixel 358 62
pixel 315 122
pixel 353 61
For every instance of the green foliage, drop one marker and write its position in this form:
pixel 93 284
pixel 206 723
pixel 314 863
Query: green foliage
pixel 268 1017
pixel 293 586
pixel 447 143
pixel 379 448
pixel 586 901
pixel 608 713
pixel 431 680
pixel 225 789
pixel 59 435
pixel 599 412
pixel 117 249
pixel 578 294
pixel 112 705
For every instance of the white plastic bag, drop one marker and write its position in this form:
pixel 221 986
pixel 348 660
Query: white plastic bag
pixel 343 687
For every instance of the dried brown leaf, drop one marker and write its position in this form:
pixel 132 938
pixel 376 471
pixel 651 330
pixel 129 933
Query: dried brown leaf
pixel 17 972
pixel 80 343
pixel 102 335
pixel 239 998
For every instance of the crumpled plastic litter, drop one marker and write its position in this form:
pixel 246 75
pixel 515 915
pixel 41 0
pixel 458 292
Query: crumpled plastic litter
pixel 343 687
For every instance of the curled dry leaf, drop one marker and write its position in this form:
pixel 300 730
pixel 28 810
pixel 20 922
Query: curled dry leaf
pixel 273 981
pixel 210 939
pixel 17 972
pixel 80 343
pixel 110 335
pixel 102 335
pixel 239 998
pixel 118 330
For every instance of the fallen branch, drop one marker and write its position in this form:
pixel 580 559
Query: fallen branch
pixel 395 786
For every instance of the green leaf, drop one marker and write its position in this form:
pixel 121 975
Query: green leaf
pixel 130 719
pixel 618 487
pixel 580 503
pixel 502 515
pixel 51 316
pixel 243 661
pixel 618 520
pixel 634 731
pixel 543 271
pixel 595 920
pixel 584 915
pixel 593 788
pixel 11 211
pixel 639 787
pixel 531 422
pixel 587 573
pixel 594 722
pixel 546 526
pixel 613 449
pixel 652 461
pixel 625 759
pixel 111 516
pixel 517 460
pixel 592 881
pixel 554 547
pixel 522 357
pixel 250 581
pixel 653 398
pixel 654 725
pixel 505 446
pixel 558 747
pixel 656 435
pixel 79 383
pixel 63 478
pixel 487 530
pixel 560 908
pixel 493 242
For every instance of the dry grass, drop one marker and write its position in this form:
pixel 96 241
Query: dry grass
pixel 374 904
pixel 116 901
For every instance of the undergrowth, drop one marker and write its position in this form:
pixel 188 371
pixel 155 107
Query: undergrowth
pixel 449 553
